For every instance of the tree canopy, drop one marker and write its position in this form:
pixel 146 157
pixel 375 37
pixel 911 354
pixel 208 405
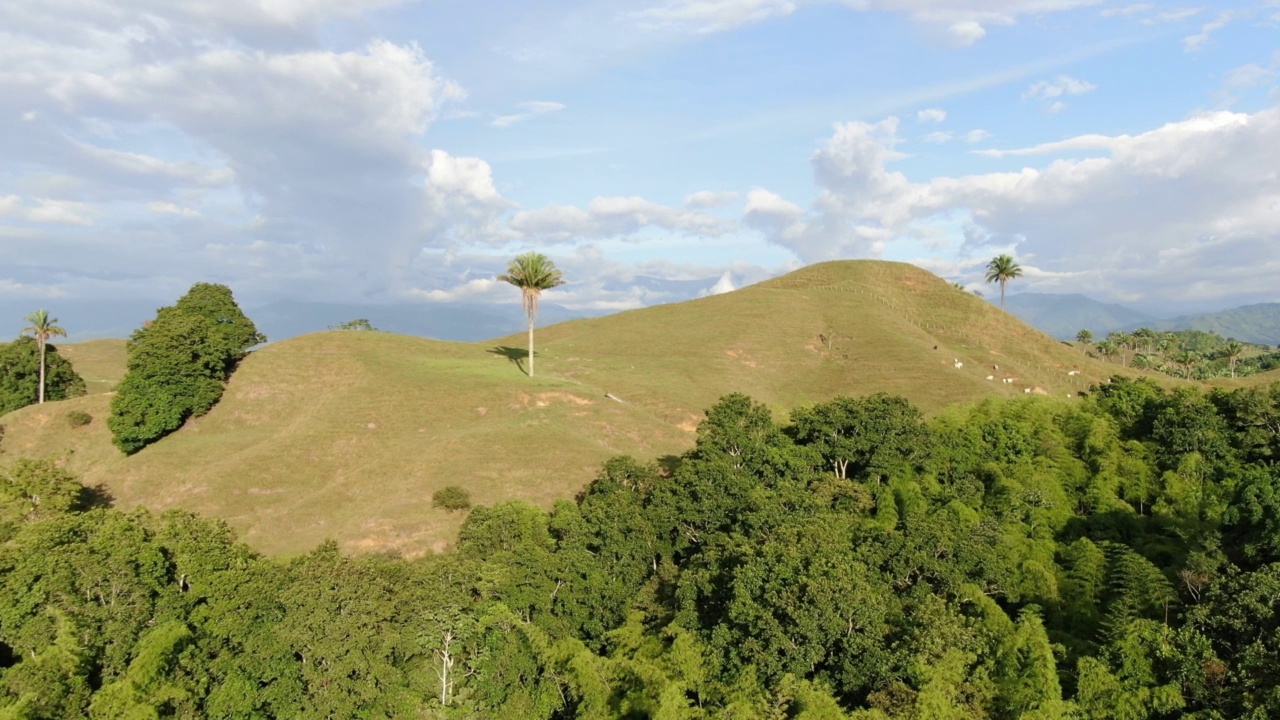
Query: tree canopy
pixel 178 365
pixel 1112 558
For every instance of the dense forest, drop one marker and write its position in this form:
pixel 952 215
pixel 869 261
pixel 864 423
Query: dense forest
pixel 1189 354
pixel 1115 557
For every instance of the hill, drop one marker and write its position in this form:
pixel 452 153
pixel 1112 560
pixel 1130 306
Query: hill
pixel 99 362
pixel 348 434
pixel 1064 315
pixel 1249 323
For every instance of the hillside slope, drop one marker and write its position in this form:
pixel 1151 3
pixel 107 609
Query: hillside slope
pixel 346 434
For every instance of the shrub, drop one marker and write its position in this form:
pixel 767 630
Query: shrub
pixel 451 498
pixel 78 418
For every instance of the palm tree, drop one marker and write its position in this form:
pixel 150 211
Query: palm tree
pixel 1084 337
pixel 1233 351
pixel 42 328
pixel 532 272
pixel 1002 269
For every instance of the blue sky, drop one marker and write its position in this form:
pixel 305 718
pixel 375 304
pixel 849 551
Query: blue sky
pixel 385 150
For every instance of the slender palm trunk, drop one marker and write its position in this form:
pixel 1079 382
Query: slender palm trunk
pixel 1002 282
pixel 530 345
pixel 41 396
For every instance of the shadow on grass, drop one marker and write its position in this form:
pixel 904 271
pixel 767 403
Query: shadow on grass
pixel 515 355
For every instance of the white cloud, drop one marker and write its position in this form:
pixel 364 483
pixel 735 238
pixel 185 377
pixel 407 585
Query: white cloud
pixel 47 210
pixel 1192 43
pixel 931 115
pixel 1059 87
pixel 528 110
pixel 722 286
pixel 939 137
pixel 1184 211
pixel 168 208
pixel 1051 91
pixel 709 199
pixel 965 33
pixel 707 16
pixel 963 21
pixel 976 135
pixel 611 217
pixel 1127 10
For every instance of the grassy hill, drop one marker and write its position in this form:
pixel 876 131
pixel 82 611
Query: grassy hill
pixel 347 434
pixel 99 362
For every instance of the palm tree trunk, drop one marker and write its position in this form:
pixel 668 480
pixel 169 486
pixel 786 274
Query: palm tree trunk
pixel 530 346
pixel 41 395
pixel 1002 282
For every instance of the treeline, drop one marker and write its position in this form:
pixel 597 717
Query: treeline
pixel 1114 558
pixel 1188 354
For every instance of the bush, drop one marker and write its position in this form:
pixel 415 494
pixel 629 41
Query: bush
pixel 451 498
pixel 78 418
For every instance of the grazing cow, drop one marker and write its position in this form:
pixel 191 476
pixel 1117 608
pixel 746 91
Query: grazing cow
pixel 991 377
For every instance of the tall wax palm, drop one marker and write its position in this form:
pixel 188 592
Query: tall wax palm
pixel 1233 350
pixel 532 272
pixel 42 328
pixel 1002 269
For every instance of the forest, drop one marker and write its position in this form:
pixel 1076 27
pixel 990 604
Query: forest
pixel 1114 557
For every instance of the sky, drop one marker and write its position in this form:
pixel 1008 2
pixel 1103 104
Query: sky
pixel 404 150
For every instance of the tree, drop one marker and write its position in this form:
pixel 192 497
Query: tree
pixel 1002 269
pixel 1232 352
pixel 20 375
pixel 178 365
pixel 1084 337
pixel 532 272
pixel 42 328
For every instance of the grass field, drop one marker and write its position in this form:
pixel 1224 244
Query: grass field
pixel 346 435
pixel 99 362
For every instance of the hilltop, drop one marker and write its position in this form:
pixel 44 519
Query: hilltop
pixel 347 434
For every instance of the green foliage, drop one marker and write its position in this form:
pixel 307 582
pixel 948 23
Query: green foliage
pixel 20 375
pixel 78 418
pixel 178 365
pixel 359 325
pixel 451 497
pixel 1114 559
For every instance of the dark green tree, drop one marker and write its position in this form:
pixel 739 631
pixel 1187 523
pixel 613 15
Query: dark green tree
pixel 20 375
pixel 178 365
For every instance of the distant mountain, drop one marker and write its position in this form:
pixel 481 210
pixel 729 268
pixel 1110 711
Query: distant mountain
pixel 82 319
pixel 1062 316
pixel 462 322
pixel 1249 323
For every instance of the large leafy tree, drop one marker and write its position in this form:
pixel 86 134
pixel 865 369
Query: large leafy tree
pixel 20 365
pixel 1002 269
pixel 532 272
pixel 178 365
pixel 42 327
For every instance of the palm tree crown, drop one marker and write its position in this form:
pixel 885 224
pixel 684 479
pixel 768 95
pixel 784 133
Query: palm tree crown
pixel 42 328
pixel 1002 269
pixel 532 272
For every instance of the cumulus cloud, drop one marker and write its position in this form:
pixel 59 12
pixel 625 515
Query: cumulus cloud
pixel 528 110
pixel 1194 199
